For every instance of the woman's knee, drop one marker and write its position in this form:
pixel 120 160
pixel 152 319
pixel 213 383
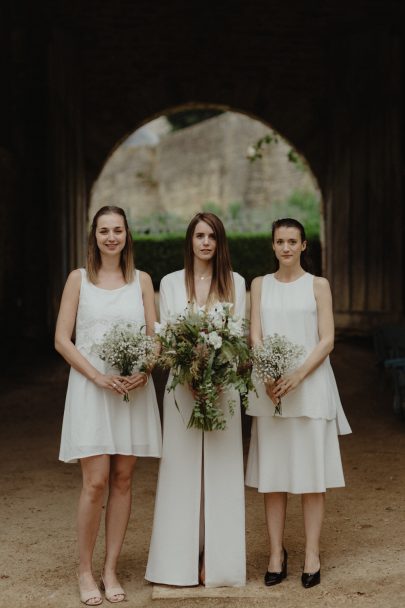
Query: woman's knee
pixel 95 485
pixel 121 480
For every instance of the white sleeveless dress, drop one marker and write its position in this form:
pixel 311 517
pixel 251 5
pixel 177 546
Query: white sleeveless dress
pixel 296 452
pixel 201 473
pixel 97 421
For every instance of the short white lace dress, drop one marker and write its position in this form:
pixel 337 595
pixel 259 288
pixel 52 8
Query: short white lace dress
pixel 97 421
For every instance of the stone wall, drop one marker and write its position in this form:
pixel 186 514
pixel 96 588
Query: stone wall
pixel 200 164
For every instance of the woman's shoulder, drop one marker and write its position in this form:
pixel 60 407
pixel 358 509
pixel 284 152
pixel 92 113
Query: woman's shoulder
pixel 258 281
pixel 144 277
pixel 75 276
pixel 172 278
pixel 322 290
pixel 320 283
pixel 238 278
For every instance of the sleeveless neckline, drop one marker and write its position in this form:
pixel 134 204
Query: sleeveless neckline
pixel 290 282
pixel 116 288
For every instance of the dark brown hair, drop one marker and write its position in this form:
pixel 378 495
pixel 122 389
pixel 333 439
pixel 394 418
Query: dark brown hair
pixel 289 222
pixel 93 252
pixel 222 286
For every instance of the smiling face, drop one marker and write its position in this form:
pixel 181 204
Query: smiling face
pixel 288 246
pixel 111 234
pixel 204 242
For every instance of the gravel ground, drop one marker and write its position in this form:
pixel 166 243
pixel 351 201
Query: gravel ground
pixel 363 546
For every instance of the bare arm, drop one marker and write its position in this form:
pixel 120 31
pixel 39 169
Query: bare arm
pixel 326 331
pixel 164 302
pixel 256 335
pixel 63 336
pixel 148 296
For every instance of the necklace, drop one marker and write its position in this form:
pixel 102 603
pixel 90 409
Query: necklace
pixel 202 278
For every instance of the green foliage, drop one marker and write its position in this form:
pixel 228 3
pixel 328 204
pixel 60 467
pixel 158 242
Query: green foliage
pixel 211 207
pixel 251 254
pixel 303 206
pixel 160 222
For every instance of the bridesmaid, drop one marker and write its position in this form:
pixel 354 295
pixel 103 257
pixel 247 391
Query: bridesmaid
pixel 297 452
pixel 199 523
pixel 99 429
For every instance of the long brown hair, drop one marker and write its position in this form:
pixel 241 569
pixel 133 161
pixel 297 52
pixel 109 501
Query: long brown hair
pixel 93 252
pixel 222 287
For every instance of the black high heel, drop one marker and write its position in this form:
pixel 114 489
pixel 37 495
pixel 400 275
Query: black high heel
pixel 310 580
pixel 274 578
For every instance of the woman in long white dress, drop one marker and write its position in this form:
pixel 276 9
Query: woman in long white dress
pixel 199 522
pixel 99 429
pixel 298 451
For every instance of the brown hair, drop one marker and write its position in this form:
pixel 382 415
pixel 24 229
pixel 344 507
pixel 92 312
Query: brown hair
pixel 93 253
pixel 222 286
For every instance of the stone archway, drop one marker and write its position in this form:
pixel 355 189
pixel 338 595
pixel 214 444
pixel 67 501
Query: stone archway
pixel 158 171
pixel 327 77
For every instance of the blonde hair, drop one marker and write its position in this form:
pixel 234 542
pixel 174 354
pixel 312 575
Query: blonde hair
pixel 222 286
pixel 93 253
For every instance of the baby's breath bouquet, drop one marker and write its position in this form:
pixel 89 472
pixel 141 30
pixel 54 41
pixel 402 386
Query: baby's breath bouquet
pixel 127 348
pixel 273 358
pixel 208 351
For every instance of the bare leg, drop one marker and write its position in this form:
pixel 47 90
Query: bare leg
pixel 313 506
pixel 117 514
pixel 95 471
pixel 275 504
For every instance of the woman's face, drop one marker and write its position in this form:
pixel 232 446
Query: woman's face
pixel 111 235
pixel 288 246
pixel 204 242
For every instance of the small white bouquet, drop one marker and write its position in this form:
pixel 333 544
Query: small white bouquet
pixel 273 358
pixel 127 348
pixel 208 351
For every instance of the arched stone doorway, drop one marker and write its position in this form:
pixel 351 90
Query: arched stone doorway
pixel 327 77
pixel 194 159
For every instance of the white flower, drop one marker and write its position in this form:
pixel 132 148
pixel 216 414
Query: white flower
pixel 235 327
pixel 159 328
pixel 251 152
pixel 215 340
pixel 204 336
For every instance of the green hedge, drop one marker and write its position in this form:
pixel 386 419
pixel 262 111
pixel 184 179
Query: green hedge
pixel 251 254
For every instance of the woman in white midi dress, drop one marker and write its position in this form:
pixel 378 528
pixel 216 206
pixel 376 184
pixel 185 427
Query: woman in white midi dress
pixel 199 522
pixel 297 451
pixel 99 429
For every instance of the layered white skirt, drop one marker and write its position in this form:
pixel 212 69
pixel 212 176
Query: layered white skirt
pixel 296 455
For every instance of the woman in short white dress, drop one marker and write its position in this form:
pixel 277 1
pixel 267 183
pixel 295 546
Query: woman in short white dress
pixel 199 523
pixel 298 451
pixel 100 430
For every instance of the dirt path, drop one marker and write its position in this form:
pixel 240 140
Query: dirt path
pixel 363 548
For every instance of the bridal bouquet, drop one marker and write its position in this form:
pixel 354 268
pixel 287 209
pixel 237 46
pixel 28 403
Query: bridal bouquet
pixel 208 351
pixel 273 358
pixel 126 348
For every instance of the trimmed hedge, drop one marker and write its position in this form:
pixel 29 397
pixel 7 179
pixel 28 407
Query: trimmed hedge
pixel 251 254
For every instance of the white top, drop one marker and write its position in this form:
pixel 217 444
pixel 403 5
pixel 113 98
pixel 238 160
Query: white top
pixel 96 420
pixel 99 309
pixel 290 309
pixel 173 295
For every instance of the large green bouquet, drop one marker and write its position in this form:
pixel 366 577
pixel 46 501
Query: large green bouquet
pixel 208 351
